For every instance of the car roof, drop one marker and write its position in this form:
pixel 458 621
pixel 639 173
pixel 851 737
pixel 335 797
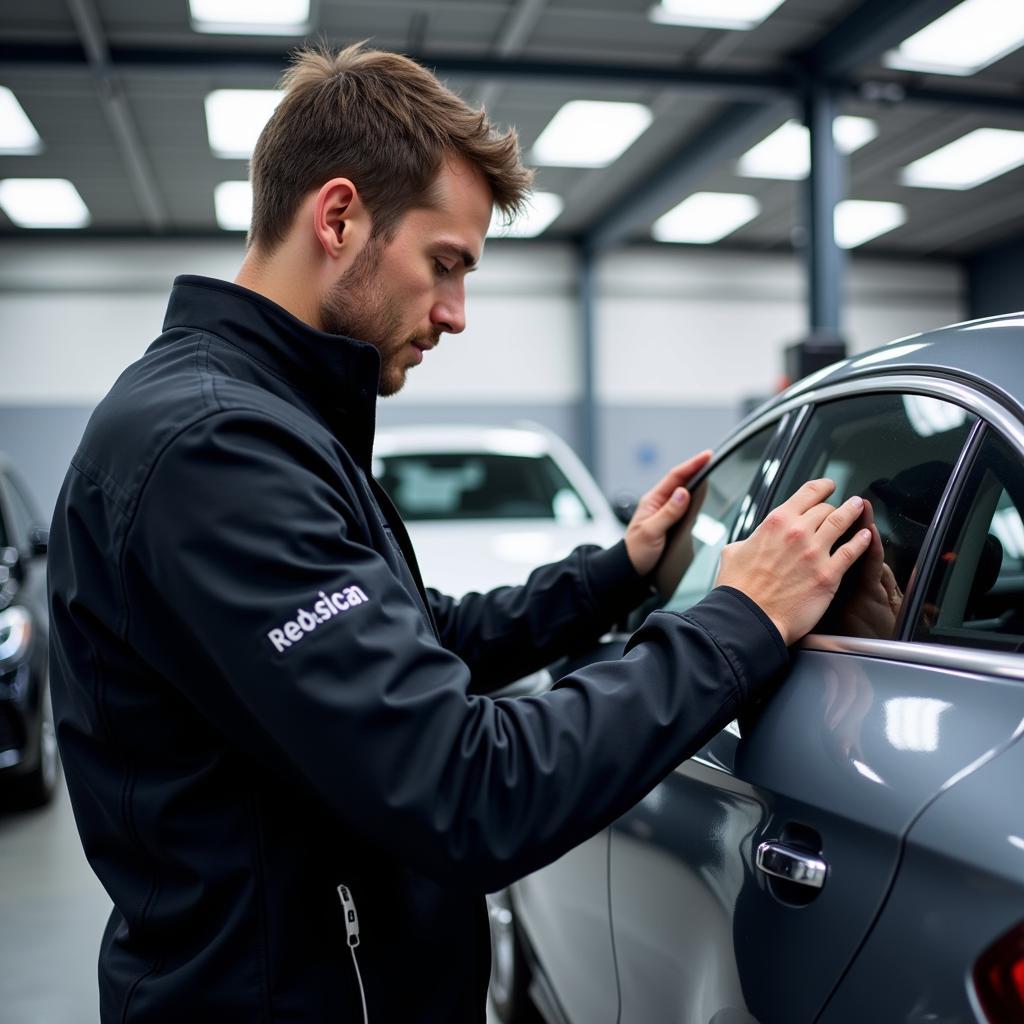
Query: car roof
pixel 990 351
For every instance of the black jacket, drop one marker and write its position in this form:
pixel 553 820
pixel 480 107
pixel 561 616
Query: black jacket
pixel 257 699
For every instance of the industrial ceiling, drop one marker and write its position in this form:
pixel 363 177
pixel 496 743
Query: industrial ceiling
pixel 115 89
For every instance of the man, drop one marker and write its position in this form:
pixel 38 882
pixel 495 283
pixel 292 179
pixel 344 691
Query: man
pixel 282 759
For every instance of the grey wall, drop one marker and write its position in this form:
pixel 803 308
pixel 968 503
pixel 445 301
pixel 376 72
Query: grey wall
pixel 995 280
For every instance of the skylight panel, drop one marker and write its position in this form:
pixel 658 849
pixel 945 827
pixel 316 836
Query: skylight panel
pixel 706 217
pixel 966 39
pixel 232 201
pixel 728 14
pixel 251 17
pixel 235 118
pixel 590 133
pixel 971 160
pixel 18 136
pixel 542 208
pixel 43 203
pixel 786 153
pixel 857 221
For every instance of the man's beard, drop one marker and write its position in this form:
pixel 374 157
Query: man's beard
pixel 359 307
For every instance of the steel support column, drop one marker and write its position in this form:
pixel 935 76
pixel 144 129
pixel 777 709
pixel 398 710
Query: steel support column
pixel 825 188
pixel 589 450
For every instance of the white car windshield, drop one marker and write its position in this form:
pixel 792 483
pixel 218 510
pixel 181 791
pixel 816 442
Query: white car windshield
pixel 479 485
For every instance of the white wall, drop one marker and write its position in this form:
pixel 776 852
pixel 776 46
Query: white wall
pixel 683 336
pixel 672 325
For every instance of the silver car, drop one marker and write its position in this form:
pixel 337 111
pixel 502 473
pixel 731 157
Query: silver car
pixel 853 851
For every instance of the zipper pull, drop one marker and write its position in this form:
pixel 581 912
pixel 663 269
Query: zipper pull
pixel 351 918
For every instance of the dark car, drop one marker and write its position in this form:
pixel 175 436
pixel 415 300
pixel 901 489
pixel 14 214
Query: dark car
pixel 28 749
pixel 854 851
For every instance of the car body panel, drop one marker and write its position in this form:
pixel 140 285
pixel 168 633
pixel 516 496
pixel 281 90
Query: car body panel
pixel 958 889
pixel 872 754
pixel 824 755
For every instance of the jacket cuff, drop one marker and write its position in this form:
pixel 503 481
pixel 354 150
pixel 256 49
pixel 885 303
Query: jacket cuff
pixel 743 633
pixel 613 582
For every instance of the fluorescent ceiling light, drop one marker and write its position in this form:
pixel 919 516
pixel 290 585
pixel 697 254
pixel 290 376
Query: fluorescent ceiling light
pixel 43 203
pixel 541 209
pixel 971 160
pixel 966 39
pixel 251 17
pixel 235 118
pixel 233 203
pixel 733 14
pixel 590 133
pixel 859 220
pixel 18 136
pixel 706 217
pixel 786 153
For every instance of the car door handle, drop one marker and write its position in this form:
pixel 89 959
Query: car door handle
pixel 793 865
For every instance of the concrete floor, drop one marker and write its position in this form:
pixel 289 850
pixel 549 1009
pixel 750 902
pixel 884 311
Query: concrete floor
pixel 52 913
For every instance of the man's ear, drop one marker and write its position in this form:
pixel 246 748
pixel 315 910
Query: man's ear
pixel 340 220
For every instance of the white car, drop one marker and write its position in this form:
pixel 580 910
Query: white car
pixel 485 505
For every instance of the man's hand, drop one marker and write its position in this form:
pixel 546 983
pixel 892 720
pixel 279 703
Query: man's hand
pixel 658 510
pixel 868 602
pixel 786 565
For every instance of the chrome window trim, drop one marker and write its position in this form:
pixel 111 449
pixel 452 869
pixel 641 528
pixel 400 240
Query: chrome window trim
pixel 915 383
pixel 955 659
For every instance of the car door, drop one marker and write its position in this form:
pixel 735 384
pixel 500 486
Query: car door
pixel 744 883
pixel 563 908
pixel 956 910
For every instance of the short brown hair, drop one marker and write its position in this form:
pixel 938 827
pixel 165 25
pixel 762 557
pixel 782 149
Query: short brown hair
pixel 385 122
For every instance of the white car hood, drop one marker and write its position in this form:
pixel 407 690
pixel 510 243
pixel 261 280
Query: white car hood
pixel 457 557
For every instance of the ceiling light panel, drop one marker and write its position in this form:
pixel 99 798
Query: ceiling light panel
pixel 235 118
pixel 541 209
pixel 18 136
pixel 786 153
pixel 590 133
pixel 250 17
pixel 728 14
pixel 706 217
pixel 966 39
pixel 971 160
pixel 43 203
pixel 232 201
pixel 857 221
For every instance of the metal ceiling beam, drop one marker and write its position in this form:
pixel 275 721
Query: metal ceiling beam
pixel 514 34
pixel 727 136
pixel 873 28
pixel 119 117
pixel 198 62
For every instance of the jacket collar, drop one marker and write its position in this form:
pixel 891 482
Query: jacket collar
pixel 338 374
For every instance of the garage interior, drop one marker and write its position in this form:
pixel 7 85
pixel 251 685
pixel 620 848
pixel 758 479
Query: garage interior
pixel 639 333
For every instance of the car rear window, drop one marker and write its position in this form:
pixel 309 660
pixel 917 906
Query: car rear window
pixel 479 485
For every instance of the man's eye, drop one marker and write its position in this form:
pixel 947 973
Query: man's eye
pixel 440 269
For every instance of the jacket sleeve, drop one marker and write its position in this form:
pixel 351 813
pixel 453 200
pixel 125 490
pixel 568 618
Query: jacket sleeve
pixel 251 587
pixel 511 631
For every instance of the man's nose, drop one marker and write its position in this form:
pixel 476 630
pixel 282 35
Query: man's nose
pixel 449 315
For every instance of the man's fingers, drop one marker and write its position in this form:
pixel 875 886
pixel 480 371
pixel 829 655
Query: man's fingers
pixel 812 493
pixel 849 552
pixel 677 476
pixel 670 512
pixel 840 519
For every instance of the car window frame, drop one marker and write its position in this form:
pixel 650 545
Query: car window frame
pixel 993 414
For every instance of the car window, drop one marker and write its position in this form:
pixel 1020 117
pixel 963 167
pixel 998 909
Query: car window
pixel 479 485
pixel 898 452
pixel 717 512
pixel 975 594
